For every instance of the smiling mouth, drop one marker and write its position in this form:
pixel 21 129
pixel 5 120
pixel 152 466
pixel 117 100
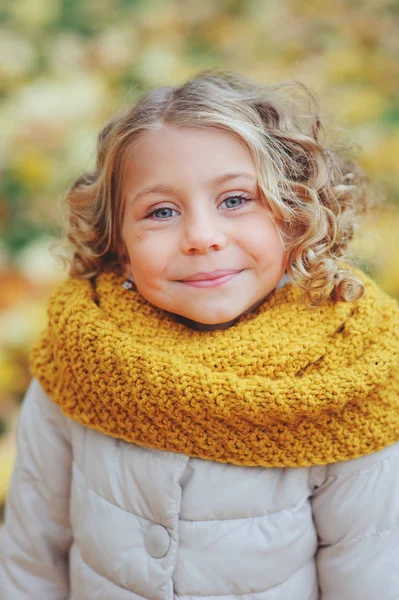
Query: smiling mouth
pixel 213 279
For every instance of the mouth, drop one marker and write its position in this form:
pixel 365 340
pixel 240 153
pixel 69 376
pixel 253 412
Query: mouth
pixel 211 279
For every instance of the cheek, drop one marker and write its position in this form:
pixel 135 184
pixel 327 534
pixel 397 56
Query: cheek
pixel 149 255
pixel 262 241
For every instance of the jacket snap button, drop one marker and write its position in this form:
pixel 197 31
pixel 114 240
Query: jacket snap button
pixel 157 541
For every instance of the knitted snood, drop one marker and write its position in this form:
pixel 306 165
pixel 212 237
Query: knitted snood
pixel 287 385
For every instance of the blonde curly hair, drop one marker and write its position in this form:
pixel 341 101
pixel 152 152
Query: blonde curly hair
pixel 314 193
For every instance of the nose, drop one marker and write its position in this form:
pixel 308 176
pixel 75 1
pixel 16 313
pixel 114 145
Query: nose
pixel 202 235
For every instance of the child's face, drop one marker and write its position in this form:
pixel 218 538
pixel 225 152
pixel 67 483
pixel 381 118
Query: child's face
pixel 202 244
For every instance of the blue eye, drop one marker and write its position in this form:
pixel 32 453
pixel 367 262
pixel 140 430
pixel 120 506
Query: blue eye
pixel 162 214
pixel 235 201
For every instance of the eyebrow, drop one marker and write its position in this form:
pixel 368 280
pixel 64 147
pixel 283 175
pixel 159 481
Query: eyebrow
pixel 164 189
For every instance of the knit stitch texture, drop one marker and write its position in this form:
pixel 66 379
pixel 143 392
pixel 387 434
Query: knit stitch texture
pixel 287 386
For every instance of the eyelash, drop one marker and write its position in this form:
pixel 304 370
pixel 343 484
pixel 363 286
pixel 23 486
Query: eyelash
pixel 247 199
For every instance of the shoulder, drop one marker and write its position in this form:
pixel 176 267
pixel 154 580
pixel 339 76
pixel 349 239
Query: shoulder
pixel 39 412
pixel 377 460
pixel 377 468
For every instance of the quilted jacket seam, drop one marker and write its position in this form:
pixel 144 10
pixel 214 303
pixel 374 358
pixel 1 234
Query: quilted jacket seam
pixel 359 538
pixel 290 509
pixel 107 578
pixel 338 477
pixel 274 587
pixel 129 512
pixel 25 475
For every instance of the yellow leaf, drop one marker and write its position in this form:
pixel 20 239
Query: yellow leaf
pixel 382 157
pixel 7 460
pixel 33 168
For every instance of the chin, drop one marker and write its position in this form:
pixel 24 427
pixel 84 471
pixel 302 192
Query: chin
pixel 219 318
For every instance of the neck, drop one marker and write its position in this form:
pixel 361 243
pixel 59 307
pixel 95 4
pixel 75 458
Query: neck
pixel 216 326
pixel 204 326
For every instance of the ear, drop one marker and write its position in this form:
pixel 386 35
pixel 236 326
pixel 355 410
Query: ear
pixel 126 270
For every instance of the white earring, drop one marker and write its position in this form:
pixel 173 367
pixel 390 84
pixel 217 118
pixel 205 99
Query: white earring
pixel 128 284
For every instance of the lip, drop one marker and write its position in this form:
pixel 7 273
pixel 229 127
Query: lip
pixel 211 279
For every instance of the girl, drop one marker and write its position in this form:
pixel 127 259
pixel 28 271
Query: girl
pixel 214 411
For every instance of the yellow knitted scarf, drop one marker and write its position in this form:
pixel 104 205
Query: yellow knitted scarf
pixel 287 385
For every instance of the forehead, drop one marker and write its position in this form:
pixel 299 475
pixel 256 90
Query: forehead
pixel 191 152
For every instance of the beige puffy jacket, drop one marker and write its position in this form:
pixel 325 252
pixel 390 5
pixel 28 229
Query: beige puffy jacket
pixel 90 517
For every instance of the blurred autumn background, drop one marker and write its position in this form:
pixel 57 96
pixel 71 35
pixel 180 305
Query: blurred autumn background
pixel 67 65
